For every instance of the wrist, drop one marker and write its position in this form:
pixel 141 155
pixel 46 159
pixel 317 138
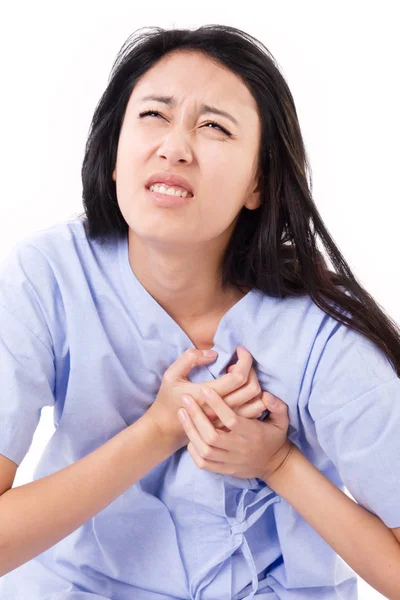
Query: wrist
pixel 277 466
pixel 157 419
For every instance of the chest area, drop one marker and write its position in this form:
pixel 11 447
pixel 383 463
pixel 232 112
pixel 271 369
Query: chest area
pixel 201 335
pixel 202 331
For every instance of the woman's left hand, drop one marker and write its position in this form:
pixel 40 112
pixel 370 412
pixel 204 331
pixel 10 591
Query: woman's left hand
pixel 251 448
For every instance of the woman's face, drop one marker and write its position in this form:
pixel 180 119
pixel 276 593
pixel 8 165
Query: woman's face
pixel 221 168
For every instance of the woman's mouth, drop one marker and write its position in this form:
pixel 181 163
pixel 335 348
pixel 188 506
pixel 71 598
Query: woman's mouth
pixel 167 200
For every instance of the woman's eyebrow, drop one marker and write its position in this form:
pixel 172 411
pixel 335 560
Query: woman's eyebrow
pixel 205 108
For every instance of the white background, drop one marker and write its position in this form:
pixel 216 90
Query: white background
pixel 341 63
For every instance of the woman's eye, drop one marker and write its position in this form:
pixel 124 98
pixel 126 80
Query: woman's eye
pixel 148 112
pixel 219 126
pixel 214 123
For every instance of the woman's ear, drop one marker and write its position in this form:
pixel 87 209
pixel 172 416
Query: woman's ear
pixel 253 200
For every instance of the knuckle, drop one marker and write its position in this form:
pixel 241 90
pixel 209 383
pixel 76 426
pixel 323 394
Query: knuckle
pixel 211 439
pixel 168 377
pixel 239 378
pixel 255 389
pixel 206 452
pixel 232 422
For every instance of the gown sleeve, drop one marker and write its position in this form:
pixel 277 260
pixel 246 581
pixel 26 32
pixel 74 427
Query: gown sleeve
pixel 355 405
pixel 27 372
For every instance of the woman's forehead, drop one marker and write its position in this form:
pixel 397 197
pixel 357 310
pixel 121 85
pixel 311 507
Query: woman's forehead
pixel 184 74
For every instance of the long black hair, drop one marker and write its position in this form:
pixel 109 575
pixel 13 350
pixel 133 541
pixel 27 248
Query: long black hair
pixel 274 247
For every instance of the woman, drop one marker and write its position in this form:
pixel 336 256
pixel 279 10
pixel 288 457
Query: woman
pixel 102 316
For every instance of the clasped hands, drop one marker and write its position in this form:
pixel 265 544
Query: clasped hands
pixel 220 423
pixel 237 443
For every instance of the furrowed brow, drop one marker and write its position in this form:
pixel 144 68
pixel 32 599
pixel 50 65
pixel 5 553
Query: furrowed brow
pixel 204 109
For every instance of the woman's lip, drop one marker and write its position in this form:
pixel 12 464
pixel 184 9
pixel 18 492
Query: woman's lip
pixel 167 200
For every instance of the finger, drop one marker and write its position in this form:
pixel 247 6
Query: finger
pixel 207 441
pixel 209 465
pixel 192 357
pixel 251 410
pixel 245 360
pixel 279 410
pixel 267 397
pixel 235 379
pixel 250 391
pixel 228 417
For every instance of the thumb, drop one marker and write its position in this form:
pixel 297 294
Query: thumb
pixel 192 357
pixel 278 408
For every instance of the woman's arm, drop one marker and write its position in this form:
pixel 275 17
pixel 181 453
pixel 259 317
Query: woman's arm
pixel 358 536
pixel 37 515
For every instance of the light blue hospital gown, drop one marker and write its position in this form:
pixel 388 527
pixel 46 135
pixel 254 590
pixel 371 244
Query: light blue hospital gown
pixel 79 332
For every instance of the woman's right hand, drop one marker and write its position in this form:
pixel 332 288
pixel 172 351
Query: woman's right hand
pixel 233 387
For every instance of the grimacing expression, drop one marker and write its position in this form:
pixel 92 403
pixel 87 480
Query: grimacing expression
pixel 219 159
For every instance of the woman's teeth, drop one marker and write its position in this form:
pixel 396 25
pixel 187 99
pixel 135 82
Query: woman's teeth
pixel 170 191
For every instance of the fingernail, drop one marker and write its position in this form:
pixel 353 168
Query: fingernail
pixel 209 353
pixel 182 414
pixel 208 393
pixel 186 401
pixel 272 400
